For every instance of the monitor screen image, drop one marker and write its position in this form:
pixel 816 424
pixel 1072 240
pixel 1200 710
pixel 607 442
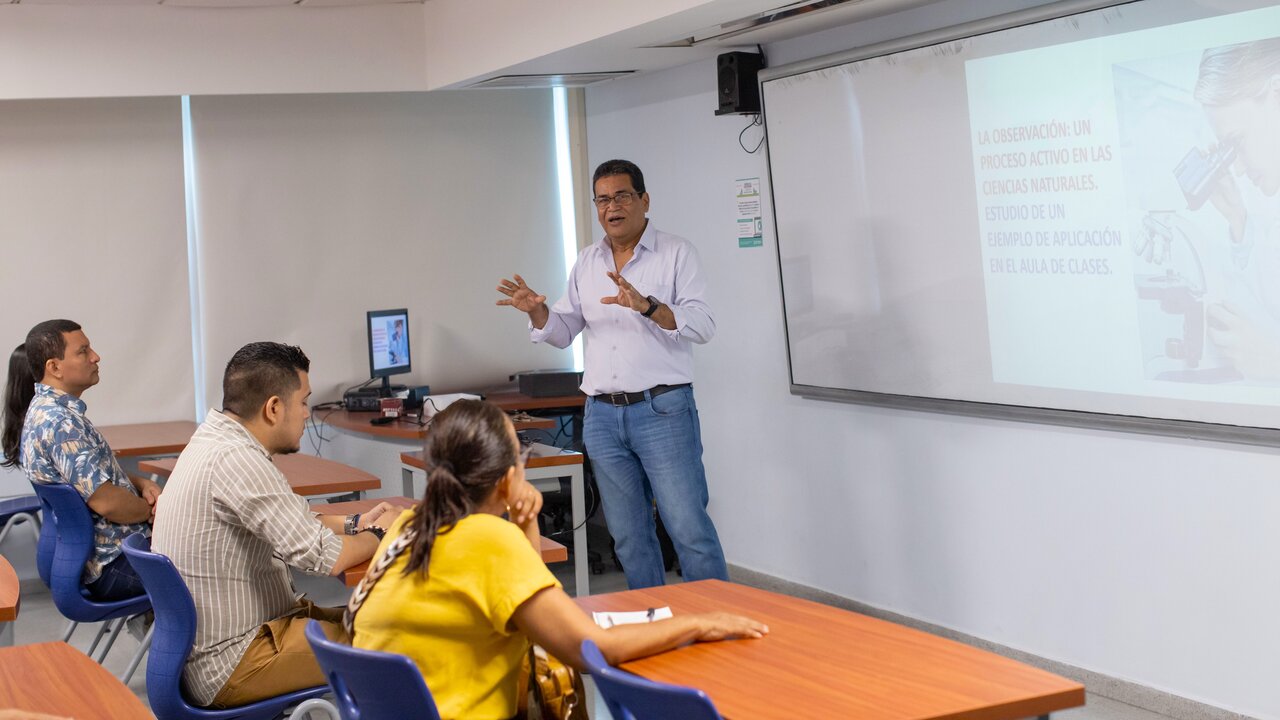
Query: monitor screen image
pixel 388 342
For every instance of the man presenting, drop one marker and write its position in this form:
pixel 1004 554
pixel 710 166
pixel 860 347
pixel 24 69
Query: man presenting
pixel 638 295
pixel 230 523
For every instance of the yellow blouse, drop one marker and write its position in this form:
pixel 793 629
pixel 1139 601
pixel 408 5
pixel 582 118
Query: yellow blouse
pixel 454 622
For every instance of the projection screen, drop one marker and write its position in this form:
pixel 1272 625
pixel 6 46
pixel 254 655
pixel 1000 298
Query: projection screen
pixel 1073 220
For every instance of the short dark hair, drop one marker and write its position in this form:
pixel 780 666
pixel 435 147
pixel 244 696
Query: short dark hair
pixel 619 167
pixel 46 342
pixel 259 371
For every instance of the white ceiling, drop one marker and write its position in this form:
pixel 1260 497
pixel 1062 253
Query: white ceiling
pixel 219 3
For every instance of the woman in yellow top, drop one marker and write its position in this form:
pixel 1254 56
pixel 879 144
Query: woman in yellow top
pixel 462 591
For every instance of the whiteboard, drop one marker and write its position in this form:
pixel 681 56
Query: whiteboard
pixel 1029 221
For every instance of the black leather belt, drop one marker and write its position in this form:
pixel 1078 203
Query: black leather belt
pixel 619 399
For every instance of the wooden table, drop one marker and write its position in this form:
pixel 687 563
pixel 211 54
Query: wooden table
pixel 513 400
pixel 552 551
pixel 546 466
pixel 822 662
pixel 10 596
pixel 162 438
pixel 401 429
pixel 57 679
pixel 307 475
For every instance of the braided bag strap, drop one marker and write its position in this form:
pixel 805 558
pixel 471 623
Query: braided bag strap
pixel 376 571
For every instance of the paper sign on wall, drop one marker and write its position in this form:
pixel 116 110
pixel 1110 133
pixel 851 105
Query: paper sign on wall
pixel 750 228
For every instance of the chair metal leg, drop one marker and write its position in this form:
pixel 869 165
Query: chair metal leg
pixel 17 518
pixel 102 630
pixel 303 711
pixel 115 633
pixel 143 647
pixel 71 627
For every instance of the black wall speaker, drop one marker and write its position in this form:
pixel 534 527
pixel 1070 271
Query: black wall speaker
pixel 736 78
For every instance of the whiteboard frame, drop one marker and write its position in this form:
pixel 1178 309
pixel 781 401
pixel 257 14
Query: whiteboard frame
pixel 1190 429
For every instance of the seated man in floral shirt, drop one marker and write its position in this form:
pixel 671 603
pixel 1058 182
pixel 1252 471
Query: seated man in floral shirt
pixel 58 444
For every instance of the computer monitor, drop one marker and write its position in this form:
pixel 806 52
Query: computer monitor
pixel 388 346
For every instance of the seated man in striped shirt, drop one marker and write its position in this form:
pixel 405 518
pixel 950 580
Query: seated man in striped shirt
pixel 231 525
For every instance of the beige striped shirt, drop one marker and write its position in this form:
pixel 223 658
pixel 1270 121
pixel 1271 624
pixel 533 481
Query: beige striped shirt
pixel 230 523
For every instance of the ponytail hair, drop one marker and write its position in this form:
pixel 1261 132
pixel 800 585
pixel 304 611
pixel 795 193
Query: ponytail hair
pixel 468 450
pixel 18 392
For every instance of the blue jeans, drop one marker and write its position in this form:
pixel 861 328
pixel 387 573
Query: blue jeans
pixel 646 451
pixel 118 581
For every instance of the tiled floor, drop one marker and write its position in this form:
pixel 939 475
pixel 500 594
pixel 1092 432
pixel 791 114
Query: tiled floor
pixel 39 621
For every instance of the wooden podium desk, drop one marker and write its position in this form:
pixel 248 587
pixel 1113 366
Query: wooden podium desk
pixel 546 466
pixel 552 551
pixel 141 439
pixel 59 680
pixel 10 595
pixel 307 475
pixel 822 662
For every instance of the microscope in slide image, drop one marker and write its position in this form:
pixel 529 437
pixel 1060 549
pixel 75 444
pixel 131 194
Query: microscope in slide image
pixel 1171 308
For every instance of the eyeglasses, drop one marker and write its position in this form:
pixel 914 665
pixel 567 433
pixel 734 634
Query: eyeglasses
pixel 623 199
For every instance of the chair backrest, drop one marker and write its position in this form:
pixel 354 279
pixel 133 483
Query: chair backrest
pixel 174 631
pixel 371 685
pixel 66 540
pixel 631 697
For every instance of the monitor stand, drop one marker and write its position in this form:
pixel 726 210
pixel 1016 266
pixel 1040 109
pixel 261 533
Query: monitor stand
pixel 386 389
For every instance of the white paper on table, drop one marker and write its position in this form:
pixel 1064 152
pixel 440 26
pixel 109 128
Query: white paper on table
pixel 609 619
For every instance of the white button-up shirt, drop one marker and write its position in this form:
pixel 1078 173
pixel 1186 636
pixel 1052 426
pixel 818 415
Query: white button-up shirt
pixel 625 351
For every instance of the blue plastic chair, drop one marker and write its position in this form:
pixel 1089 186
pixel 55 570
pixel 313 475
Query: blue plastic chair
pixel 371 685
pixel 20 509
pixel 631 697
pixel 66 540
pixel 172 637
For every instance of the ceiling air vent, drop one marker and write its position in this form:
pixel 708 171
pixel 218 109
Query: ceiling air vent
pixel 549 81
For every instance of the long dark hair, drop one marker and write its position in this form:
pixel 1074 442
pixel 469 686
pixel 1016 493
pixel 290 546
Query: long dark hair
pixel 469 449
pixel 17 398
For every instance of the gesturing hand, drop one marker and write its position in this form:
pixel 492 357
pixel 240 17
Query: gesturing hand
pixel 519 295
pixel 627 295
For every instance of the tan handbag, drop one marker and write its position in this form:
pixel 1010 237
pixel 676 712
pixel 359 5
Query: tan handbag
pixel 549 689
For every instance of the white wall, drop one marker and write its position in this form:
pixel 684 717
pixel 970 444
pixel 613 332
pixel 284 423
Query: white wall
pixel 109 50
pixel 1138 557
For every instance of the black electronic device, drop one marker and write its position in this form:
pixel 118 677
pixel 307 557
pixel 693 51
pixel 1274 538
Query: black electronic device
pixel 362 400
pixel 416 397
pixel 548 383
pixel 388 347
pixel 736 73
pixel 382 420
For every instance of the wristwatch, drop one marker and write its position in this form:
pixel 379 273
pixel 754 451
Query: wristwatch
pixel 653 306
pixel 351 524
pixel 377 532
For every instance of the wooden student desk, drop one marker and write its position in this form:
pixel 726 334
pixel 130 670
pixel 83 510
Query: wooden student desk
pixel 59 680
pixel 546 466
pixel 307 475
pixel 822 662
pixel 552 551
pixel 162 438
pixel 10 595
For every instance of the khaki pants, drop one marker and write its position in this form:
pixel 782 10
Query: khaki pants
pixel 279 660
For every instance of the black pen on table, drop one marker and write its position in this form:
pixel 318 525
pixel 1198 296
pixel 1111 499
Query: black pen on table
pixel 649 614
